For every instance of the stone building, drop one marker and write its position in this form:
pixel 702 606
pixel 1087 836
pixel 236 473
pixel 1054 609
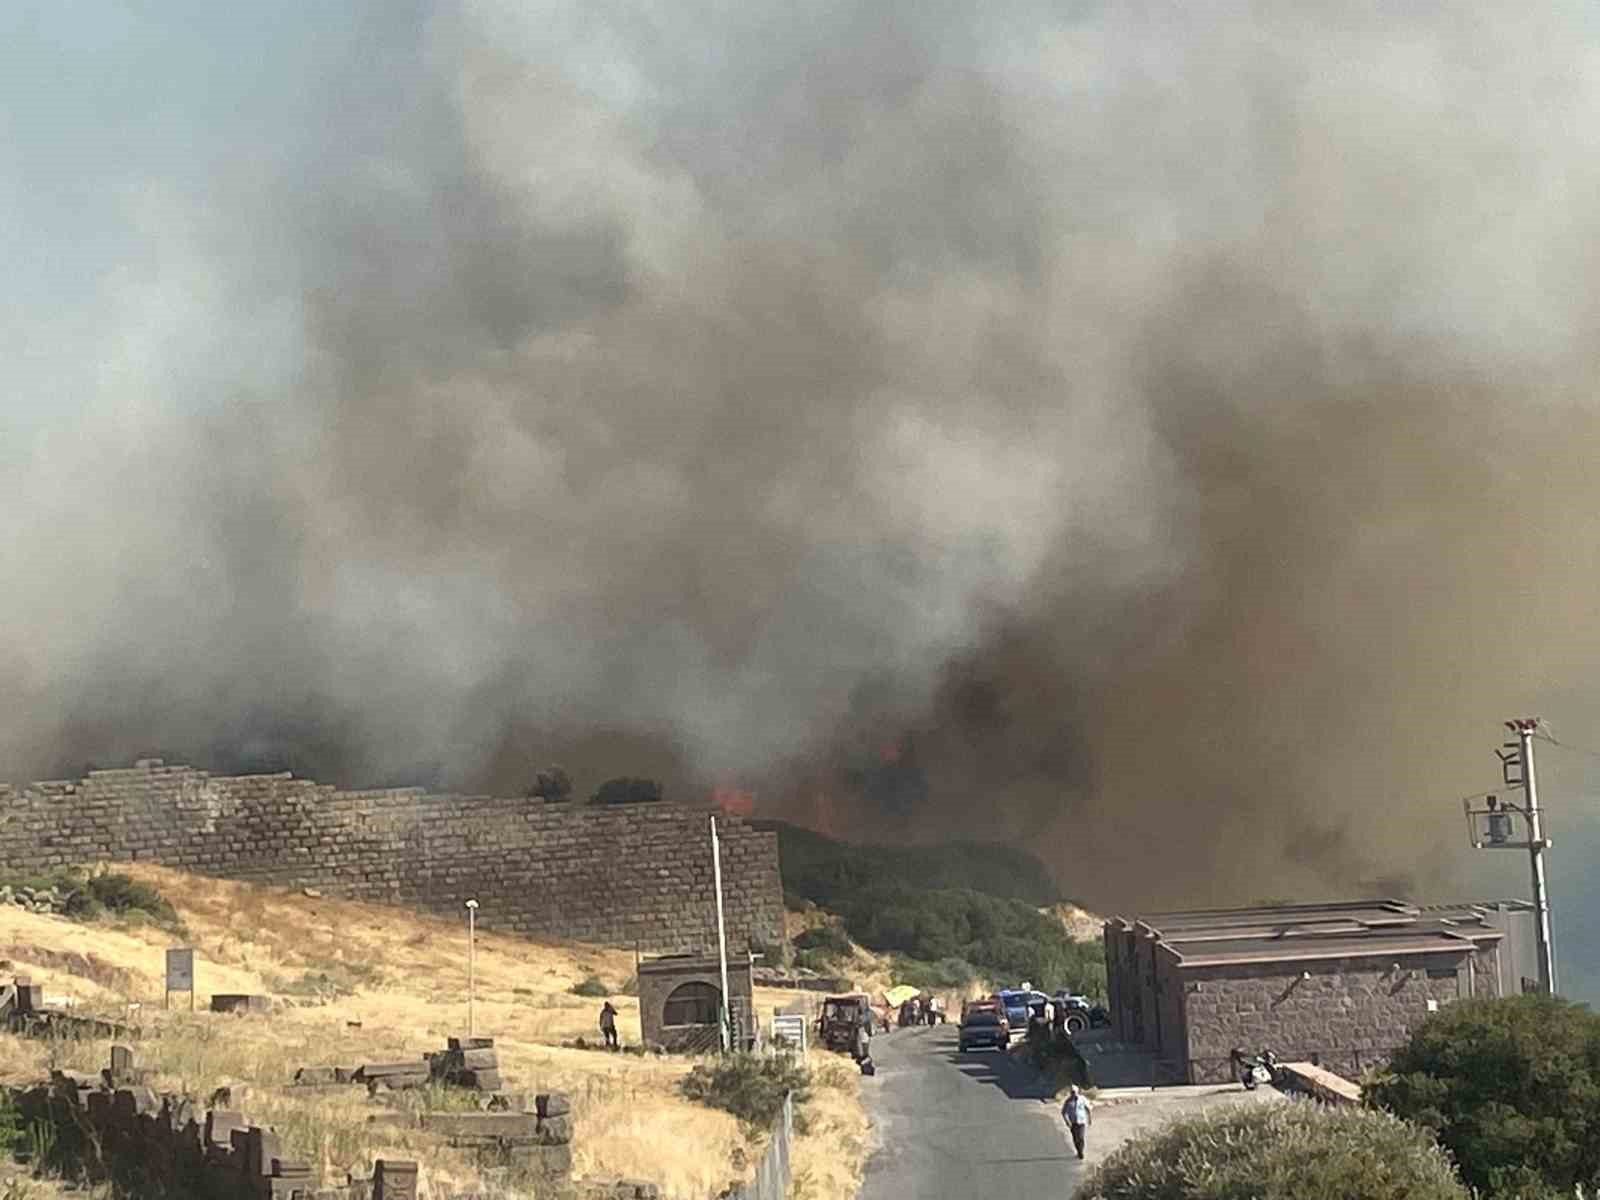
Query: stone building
pixel 680 996
pixel 1339 984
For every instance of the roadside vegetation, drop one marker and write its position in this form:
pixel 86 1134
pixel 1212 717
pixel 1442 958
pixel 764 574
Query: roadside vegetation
pixel 1511 1087
pixel 750 1086
pixel 1286 1151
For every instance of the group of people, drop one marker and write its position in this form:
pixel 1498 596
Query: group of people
pixel 922 1010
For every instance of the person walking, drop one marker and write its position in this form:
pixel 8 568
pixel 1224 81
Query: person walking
pixel 1077 1113
pixel 608 1025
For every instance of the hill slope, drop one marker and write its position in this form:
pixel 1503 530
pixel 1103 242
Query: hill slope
pixel 949 915
pixel 361 982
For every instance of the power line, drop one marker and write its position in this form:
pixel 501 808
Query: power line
pixel 1545 737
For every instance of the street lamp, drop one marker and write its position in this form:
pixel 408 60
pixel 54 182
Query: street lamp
pixel 472 973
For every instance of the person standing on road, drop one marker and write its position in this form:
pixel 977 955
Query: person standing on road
pixel 1077 1113
pixel 608 1025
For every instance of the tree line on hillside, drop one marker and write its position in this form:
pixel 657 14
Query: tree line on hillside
pixel 950 913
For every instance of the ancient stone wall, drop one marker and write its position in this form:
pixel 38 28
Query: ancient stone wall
pixel 1350 1014
pixel 626 875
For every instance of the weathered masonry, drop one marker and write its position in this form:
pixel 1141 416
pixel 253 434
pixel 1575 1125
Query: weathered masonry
pixel 625 875
pixel 1337 984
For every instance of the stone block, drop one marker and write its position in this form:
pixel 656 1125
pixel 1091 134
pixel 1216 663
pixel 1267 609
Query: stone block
pixel 479 1059
pixel 550 1162
pixel 220 1124
pixel 555 1131
pixel 552 1104
pixel 369 1071
pixel 394 1179
pixel 482 1124
pixel 484 1081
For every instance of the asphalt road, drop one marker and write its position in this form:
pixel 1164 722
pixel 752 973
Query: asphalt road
pixel 953 1126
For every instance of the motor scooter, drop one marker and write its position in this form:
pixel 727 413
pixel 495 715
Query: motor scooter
pixel 1253 1070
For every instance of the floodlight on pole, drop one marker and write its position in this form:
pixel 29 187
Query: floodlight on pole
pixel 472 966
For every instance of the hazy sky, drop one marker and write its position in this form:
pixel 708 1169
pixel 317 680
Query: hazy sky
pixel 1176 423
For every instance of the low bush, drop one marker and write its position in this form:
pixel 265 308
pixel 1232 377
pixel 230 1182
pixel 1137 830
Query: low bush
pixel 82 896
pixel 590 985
pixel 749 1086
pixel 1293 1150
pixel 828 938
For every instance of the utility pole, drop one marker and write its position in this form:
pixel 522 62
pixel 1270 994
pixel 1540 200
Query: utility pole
pixel 722 936
pixel 1491 829
pixel 1537 845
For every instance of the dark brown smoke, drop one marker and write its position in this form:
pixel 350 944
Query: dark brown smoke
pixel 1158 438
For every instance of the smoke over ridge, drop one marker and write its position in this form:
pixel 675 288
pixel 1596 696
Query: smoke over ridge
pixel 1169 429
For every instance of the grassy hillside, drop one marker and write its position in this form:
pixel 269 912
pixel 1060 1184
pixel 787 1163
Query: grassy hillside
pixel 361 982
pixel 949 914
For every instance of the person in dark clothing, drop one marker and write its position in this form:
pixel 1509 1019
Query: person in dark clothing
pixel 608 1025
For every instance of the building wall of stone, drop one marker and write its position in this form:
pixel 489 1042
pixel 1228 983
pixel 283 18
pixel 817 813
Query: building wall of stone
pixel 657 982
pixel 628 875
pixel 1351 1013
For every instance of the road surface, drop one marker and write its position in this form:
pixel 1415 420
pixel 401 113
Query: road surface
pixel 953 1126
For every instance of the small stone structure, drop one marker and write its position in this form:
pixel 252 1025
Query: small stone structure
pixel 241 1003
pixel 23 1011
pixel 680 997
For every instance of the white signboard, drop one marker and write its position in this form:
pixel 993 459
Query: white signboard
pixel 791 1028
pixel 180 970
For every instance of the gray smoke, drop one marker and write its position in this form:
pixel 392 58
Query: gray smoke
pixel 1170 428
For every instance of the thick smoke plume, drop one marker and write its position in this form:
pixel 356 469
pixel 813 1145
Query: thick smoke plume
pixel 1159 436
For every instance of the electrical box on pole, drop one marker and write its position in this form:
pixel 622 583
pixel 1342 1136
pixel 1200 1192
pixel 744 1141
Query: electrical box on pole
pixel 1491 826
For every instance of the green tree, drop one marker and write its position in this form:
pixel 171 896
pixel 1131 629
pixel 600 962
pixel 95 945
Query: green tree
pixel 552 784
pixel 1511 1087
pixel 1283 1151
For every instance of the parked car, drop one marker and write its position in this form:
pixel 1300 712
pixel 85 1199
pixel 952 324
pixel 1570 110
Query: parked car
pixel 983 1025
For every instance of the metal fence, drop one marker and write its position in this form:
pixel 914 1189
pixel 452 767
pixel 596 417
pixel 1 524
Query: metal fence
pixel 772 1174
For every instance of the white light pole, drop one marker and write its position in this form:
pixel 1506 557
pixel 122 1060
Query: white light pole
pixel 472 966
pixel 722 937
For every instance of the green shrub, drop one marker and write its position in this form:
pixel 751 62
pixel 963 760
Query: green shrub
pixel 946 973
pixel 86 897
pixel 1293 1150
pixel 590 985
pixel 749 1086
pixel 828 938
pixel 1511 1087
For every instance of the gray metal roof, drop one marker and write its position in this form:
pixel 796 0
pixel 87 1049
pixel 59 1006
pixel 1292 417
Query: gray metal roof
pixel 1303 932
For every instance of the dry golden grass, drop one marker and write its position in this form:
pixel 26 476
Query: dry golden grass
pixel 366 983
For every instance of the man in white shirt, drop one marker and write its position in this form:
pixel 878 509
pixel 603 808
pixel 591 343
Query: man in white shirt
pixel 1077 1114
